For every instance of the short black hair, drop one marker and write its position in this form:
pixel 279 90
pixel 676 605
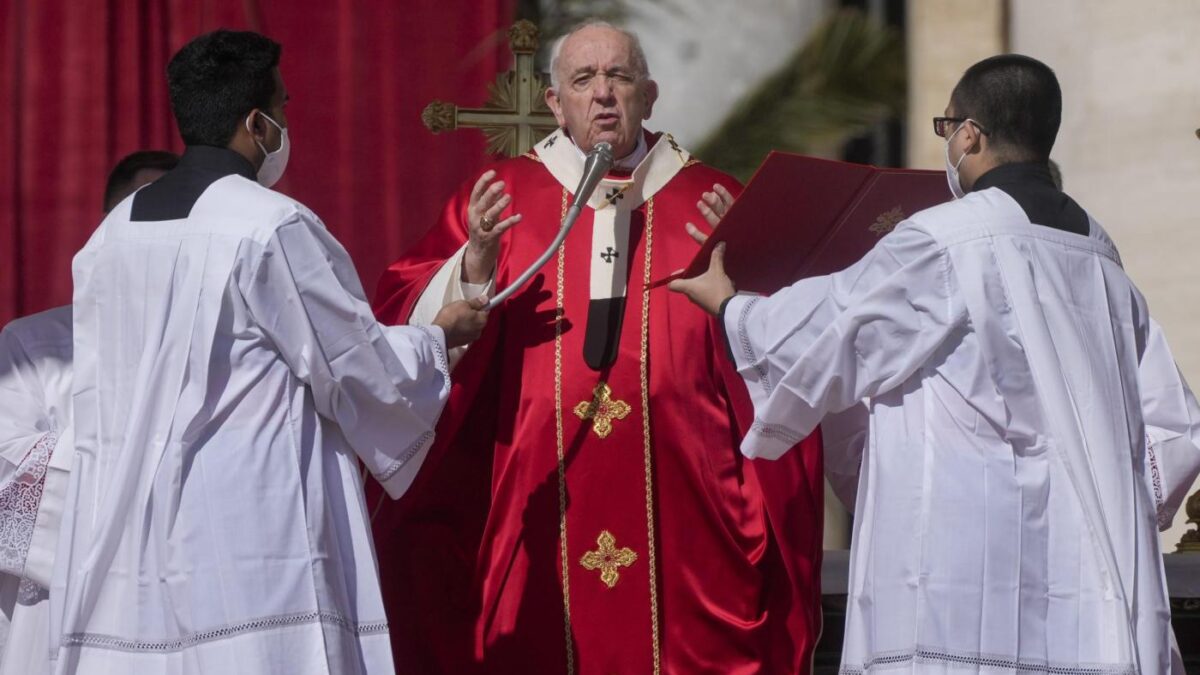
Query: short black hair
pixel 1017 100
pixel 216 79
pixel 120 179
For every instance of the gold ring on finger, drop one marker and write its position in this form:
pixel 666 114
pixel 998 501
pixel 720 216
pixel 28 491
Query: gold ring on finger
pixel 487 223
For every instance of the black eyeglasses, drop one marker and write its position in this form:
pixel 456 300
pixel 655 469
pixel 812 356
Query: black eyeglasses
pixel 942 125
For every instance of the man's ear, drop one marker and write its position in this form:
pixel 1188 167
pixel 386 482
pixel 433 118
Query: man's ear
pixel 555 106
pixel 976 138
pixel 651 98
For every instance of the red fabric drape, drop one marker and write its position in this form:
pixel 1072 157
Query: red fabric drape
pixel 83 82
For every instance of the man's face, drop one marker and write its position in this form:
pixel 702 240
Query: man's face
pixel 601 96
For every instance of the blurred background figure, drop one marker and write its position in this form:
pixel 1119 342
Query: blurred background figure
pixel 135 170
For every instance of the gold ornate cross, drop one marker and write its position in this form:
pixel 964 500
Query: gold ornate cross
pixel 516 115
pixel 608 559
pixel 602 410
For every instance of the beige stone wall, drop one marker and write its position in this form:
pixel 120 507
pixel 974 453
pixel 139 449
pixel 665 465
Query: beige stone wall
pixel 944 38
pixel 1130 73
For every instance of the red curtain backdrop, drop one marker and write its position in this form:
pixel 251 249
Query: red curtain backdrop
pixel 83 82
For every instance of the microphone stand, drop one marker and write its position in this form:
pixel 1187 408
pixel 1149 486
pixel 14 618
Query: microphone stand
pixel 599 161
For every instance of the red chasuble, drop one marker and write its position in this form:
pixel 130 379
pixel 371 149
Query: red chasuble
pixel 585 508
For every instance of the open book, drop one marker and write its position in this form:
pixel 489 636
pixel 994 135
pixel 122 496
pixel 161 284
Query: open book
pixel 803 216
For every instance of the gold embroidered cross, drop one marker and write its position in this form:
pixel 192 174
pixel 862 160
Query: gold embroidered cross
pixel 608 558
pixel 602 410
pixel 887 221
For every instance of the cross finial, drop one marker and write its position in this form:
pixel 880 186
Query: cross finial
pixel 515 115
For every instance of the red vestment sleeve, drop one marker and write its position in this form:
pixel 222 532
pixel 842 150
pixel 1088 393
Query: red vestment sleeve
pixel 427 541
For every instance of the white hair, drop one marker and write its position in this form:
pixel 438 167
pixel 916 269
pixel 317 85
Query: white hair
pixel 638 57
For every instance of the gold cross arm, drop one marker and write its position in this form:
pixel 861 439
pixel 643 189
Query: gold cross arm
pixel 602 410
pixel 608 559
pixel 515 116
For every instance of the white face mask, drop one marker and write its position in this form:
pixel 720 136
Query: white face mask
pixel 274 163
pixel 952 177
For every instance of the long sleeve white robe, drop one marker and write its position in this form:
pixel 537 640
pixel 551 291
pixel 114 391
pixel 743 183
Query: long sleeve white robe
pixel 35 454
pixel 1003 522
pixel 229 376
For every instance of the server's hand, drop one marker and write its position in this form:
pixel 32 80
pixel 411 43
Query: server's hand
pixel 462 321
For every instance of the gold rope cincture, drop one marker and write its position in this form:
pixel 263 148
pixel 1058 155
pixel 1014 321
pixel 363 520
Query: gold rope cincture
pixel 647 458
pixel 562 465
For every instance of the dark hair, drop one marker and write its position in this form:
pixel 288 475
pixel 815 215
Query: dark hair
pixel 216 79
pixel 120 179
pixel 1017 100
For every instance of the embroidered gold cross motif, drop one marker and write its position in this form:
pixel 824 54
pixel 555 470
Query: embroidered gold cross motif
pixel 602 410
pixel 608 558
pixel 887 221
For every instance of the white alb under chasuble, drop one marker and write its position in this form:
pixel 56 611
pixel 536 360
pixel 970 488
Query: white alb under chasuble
pixel 35 455
pixel 1003 520
pixel 610 206
pixel 229 377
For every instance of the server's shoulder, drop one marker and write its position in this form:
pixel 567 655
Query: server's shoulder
pixel 242 207
pixel 961 218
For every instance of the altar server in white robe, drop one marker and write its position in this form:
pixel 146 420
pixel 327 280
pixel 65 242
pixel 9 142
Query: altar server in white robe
pixel 1002 520
pixel 228 379
pixel 35 453
pixel 36 450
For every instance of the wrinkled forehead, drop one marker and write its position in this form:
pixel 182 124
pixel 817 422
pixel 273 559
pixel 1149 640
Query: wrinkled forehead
pixel 596 47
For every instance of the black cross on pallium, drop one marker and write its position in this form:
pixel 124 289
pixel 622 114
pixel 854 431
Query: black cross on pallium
pixel 675 146
pixel 615 194
pixel 610 255
pixel 550 142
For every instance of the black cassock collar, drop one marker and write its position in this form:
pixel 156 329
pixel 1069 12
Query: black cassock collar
pixel 1031 185
pixel 173 196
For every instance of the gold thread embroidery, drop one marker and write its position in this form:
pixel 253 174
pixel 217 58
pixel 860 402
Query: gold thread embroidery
pixel 647 459
pixel 602 410
pixel 562 465
pixel 608 559
pixel 887 221
pixel 652 544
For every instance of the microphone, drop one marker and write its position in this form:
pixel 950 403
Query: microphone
pixel 595 167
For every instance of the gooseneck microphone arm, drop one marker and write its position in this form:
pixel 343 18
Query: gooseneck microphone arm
pixel 599 161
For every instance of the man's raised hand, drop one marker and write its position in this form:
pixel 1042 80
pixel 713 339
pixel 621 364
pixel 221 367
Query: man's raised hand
pixel 488 201
pixel 713 206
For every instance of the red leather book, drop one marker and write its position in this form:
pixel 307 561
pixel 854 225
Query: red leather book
pixel 803 216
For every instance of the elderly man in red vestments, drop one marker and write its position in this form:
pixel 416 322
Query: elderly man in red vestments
pixel 586 509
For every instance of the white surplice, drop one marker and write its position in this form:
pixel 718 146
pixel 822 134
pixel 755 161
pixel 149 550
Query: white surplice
pixel 229 376
pixel 1002 520
pixel 35 453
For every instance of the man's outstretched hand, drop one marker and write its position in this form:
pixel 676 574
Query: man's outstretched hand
pixel 711 289
pixel 462 321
